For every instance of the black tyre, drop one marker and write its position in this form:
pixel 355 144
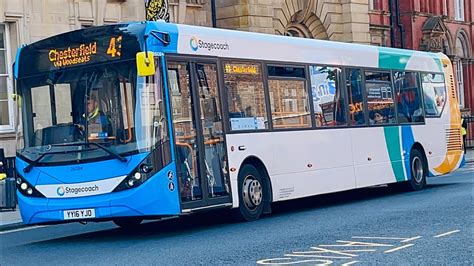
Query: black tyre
pixel 251 194
pixel 128 222
pixel 418 171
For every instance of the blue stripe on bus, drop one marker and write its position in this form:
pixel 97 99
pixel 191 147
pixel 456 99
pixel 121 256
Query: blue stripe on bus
pixel 17 62
pixel 407 143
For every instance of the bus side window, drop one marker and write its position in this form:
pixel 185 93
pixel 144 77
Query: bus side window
pixel 355 96
pixel 328 96
pixel 380 102
pixel 245 96
pixel 434 93
pixel 408 97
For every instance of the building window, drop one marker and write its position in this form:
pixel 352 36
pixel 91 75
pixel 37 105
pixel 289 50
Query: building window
pixel 459 82
pixel 6 86
pixel 459 9
pixel 372 4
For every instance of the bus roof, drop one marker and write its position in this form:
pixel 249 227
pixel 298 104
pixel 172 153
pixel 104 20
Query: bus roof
pixel 195 40
pixel 91 45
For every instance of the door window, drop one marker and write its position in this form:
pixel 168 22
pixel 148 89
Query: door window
pixel 215 167
pixel 185 131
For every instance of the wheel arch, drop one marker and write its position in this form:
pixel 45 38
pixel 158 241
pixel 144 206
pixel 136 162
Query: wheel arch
pixel 419 147
pixel 262 169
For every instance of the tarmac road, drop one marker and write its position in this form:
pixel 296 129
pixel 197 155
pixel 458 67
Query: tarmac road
pixel 361 227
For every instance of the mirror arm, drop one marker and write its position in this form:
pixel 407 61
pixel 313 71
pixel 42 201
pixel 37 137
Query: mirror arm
pixel 165 39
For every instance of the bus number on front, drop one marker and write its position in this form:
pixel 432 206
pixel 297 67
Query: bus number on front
pixel 115 47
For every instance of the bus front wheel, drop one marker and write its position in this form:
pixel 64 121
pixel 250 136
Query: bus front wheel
pixel 251 194
pixel 127 222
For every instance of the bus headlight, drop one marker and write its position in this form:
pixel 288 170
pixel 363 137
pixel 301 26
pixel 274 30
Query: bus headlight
pixel 27 189
pixel 154 162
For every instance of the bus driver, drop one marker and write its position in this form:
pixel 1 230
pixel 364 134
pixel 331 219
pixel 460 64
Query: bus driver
pixel 98 124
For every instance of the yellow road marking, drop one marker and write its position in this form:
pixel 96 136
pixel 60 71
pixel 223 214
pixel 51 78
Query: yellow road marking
pixel 398 248
pixel 448 233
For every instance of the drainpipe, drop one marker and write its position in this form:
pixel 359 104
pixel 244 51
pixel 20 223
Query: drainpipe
pixel 213 12
pixel 395 21
pixel 392 33
pixel 399 24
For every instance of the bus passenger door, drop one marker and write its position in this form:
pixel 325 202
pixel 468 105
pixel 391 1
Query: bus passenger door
pixel 201 157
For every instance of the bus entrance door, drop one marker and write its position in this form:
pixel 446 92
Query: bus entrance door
pixel 201 157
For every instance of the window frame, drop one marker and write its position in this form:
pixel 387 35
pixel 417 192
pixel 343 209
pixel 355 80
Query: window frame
pixel 10 127
pixel 420 91
pixel 224 99
pixel 392 85
pixel 345 95
pixel 307 87
pixel 458 72
pixel 459 10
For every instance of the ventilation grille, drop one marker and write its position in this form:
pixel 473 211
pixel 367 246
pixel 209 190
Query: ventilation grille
pixel 453 139
pixel 453 88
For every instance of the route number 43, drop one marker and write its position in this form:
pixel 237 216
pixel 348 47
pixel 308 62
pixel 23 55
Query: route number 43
pixel 115 46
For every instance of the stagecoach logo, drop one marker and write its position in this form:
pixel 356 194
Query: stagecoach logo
pixel 72 55
pixel 60 191
pixel 196 44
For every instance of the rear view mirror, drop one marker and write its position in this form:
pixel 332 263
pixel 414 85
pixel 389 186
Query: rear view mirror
pixel 145 64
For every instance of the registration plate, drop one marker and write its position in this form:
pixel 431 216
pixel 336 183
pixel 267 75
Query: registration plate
pixel 79 214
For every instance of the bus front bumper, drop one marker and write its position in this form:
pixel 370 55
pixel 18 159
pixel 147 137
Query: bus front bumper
pixel 152 198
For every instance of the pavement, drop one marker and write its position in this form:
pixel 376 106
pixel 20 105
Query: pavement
pixel 12 219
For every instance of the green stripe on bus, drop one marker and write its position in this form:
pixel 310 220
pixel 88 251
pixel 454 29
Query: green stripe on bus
pixel 392 140
pixel 390 59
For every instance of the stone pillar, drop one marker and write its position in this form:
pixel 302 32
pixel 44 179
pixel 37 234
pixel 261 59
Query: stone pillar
pixel 246 15
pixel 355 17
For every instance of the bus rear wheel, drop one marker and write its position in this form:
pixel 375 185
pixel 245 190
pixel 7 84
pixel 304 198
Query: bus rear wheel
pixel 418 171
pixel 127 222
pixel 251 194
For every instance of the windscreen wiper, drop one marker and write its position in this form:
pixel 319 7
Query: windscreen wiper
pixel 109 151
pixel 37 160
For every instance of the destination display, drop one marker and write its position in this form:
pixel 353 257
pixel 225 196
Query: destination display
pixel 84 53
pixel 81 48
